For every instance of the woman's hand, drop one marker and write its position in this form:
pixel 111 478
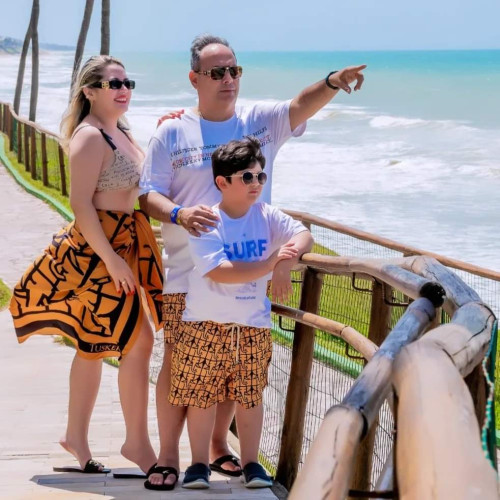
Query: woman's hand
pixel 121 274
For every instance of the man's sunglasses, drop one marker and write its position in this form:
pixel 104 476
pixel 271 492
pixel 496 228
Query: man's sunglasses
pixel 115 84
pixel 218 72
pixel 248 177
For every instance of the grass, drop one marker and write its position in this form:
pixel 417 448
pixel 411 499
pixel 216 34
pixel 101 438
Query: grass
pixel 4 295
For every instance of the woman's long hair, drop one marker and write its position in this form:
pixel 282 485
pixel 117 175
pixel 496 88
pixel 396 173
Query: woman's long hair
pixel 79 106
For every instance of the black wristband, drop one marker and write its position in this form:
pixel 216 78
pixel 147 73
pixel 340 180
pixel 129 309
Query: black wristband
pixel 328 84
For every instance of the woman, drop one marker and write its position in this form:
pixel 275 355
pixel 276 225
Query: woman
pixel 86 285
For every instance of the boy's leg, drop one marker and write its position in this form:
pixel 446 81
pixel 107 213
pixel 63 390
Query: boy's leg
pixel 249 423
pixel 200 422
pixel 219 446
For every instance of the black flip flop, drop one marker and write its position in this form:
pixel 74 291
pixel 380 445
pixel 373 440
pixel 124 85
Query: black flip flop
pixel 91 467
pixel 216 466
pixel 133 475
pixel 165 472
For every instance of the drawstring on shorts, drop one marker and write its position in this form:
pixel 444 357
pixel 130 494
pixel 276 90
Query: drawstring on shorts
pixel 232 327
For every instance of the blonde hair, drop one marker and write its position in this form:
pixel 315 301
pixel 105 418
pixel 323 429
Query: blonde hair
pixel 79 106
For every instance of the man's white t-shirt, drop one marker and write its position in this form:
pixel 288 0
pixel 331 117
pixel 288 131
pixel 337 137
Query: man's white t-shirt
pixel 253 237
pixel 178 165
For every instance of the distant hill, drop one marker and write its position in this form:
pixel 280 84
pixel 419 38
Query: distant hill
pixel 13 46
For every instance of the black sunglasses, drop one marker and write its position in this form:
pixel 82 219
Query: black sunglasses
pixel 218 72
pixel 115 84
pixel 248 177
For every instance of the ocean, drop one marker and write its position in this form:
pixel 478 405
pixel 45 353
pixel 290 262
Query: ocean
pixel 413 156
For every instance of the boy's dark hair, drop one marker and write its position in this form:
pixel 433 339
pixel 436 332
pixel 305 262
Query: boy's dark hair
pixel 235 156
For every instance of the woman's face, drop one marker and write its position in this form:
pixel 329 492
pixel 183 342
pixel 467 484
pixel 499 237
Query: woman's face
pixel 107 100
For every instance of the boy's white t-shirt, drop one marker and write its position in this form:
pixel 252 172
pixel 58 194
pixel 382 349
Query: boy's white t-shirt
pixel 178 164
pixel 253 237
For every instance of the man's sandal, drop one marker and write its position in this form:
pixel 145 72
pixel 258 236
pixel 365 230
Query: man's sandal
pixel 216 466
pixel 165 472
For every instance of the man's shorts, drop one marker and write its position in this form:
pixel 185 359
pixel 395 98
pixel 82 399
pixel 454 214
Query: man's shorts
pixel 213 362
pixel 173 307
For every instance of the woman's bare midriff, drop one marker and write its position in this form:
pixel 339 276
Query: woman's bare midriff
pixel 120 200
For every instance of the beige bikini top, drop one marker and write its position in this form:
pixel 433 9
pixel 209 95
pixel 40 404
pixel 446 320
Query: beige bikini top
pixel 123 173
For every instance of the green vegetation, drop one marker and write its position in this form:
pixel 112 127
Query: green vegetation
pixel 4 295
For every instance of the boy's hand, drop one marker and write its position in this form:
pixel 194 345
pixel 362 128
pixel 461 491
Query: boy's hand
pixel 281 284
pixel 284 252
pixel 197 219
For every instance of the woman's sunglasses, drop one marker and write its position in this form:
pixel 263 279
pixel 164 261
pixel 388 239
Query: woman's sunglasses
pixel 115 84
pixel 218 72
pixel 249 177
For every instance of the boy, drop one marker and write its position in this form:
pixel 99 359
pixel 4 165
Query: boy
pixel 224 346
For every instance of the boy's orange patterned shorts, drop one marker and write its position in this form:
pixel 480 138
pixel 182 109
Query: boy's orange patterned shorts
pixel 173 307
pixel 213 362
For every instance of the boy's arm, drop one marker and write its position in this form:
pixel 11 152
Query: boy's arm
pixel 242 272
pixel 281 285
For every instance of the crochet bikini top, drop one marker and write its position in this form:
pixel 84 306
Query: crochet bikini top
pixel 123 173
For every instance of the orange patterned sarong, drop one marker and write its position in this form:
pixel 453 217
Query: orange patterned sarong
pixel 68 291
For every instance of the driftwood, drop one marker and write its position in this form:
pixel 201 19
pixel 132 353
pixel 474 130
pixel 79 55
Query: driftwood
pixel 332 474
pixel 327 471
pixel 438 450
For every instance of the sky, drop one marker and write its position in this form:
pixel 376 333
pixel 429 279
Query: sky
pixel 166 25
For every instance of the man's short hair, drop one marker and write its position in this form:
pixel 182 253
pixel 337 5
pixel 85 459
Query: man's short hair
pixel 200 42
pixel 235 156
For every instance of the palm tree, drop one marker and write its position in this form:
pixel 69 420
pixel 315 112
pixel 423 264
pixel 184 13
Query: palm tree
pixel 22 60
pixel 34 60
pixel 105 27
pixel 89 5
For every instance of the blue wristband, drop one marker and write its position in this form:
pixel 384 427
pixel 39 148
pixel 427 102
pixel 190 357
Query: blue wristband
pixel 173 214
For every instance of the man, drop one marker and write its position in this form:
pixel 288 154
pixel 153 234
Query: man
pixel 177 189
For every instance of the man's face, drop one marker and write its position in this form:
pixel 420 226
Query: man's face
pixel 212 92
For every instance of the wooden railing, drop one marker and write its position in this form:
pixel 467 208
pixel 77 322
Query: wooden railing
pixel 38 149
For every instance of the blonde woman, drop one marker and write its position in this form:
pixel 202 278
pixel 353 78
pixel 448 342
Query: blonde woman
pixel 86 285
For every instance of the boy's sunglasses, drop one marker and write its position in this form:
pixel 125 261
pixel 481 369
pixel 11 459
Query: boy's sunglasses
pixel 115 84
pixel 218 72
pixel 248 177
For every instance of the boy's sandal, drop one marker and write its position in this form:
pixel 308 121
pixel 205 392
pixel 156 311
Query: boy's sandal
pixel 165 472
pixel 255 476
pixel 216 466
pixel 197 477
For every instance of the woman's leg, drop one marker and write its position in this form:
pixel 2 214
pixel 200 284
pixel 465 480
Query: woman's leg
pixel 84 381
pixel 133 383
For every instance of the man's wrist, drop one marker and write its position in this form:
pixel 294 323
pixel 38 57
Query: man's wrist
pixel 174 215
pixel 327 80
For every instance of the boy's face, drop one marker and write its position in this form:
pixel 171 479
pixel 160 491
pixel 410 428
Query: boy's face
pixel 238 190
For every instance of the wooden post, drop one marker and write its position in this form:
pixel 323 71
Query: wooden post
pixel 62 171
pixel 479 392
pixel 19 142
pixel 2 117
pixel 45 175
pixel 33 152
pixel 298 385
pixel 380 318
pixel 26 147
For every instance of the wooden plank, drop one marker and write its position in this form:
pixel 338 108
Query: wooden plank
pixel 298 384
pixel 62 171
pixel 26 147
pixel 33 153
pixel 45 174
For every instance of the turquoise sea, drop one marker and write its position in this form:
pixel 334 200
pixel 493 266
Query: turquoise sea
pixel 413 156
